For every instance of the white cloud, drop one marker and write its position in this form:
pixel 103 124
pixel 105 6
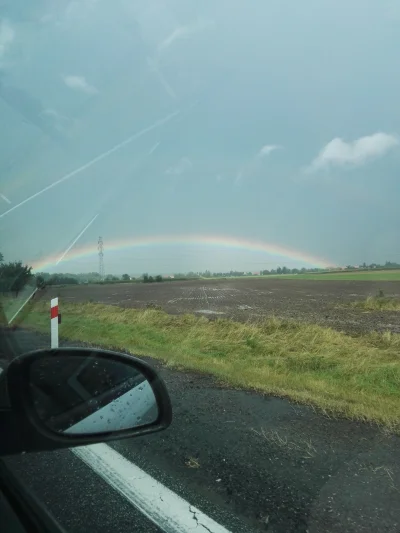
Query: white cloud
pixel 79 83
pixel 183 165
pixel 356 153
pixel 79 8
pixel 393 11
pixel 7 36
pixel 182 32
pixel 267 149
pixel 255 163
pixel 56 115
pixel 154 67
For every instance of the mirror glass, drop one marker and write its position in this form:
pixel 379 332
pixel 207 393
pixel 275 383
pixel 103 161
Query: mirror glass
pixel 88 394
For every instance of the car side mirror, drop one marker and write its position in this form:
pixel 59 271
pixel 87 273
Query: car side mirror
pixel 75 396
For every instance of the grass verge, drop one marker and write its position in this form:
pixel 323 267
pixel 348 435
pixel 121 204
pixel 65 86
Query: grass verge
pixel 354 377
pixel 369 275
pixel 364 275
pixel 377 303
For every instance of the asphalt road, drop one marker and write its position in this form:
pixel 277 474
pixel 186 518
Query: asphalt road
pixel 250 462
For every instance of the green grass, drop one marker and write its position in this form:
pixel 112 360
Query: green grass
pixel 363 275
pixel 373 275
pixel 377 303
pixel 354 377
pixel 10 304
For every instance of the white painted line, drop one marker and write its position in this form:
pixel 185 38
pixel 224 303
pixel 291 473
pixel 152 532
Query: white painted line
pixel 22 306
pixel 95 160
pixel 77 238
pixel 166 509
pixel 5 198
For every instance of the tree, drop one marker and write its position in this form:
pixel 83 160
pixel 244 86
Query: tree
pixel 159 278
pixel 110 277
pixel 279 270
pixel 145 278
pixel 14 276
pixel 125 277
pixel 61 279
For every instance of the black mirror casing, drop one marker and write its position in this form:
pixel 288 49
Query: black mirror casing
pixel 23 431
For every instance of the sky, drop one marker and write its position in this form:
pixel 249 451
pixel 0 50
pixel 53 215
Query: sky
pixel 191 135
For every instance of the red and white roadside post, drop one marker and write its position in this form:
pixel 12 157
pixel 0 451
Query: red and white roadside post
pixel 54 323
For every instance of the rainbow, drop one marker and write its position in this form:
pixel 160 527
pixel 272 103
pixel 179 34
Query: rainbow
pixel 213 241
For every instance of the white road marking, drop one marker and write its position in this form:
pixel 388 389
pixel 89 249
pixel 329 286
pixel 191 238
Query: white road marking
pixel 22 306
pixel 5 198
pixel 77 238
pixel 95 160
pixel 163 507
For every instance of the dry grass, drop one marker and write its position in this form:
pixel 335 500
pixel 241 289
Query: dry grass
pixel 301 445
pixel 377 303
pixel 192 463
pixel 354 377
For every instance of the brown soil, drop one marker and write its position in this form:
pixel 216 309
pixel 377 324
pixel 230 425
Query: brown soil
pixel 322 302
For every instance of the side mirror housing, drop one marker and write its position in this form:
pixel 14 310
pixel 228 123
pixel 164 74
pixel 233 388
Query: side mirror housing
pixel 69 397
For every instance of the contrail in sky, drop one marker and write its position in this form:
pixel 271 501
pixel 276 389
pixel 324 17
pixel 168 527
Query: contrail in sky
pixel 9 201
pixel 154 148
pixel 95 160
pixel 77 239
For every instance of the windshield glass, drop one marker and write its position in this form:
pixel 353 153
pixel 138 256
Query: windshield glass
pixel 212 186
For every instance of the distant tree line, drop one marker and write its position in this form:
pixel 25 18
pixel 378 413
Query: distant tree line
pixel 387 266
pixel 13 276
pixel 150 279
pixel 286 270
